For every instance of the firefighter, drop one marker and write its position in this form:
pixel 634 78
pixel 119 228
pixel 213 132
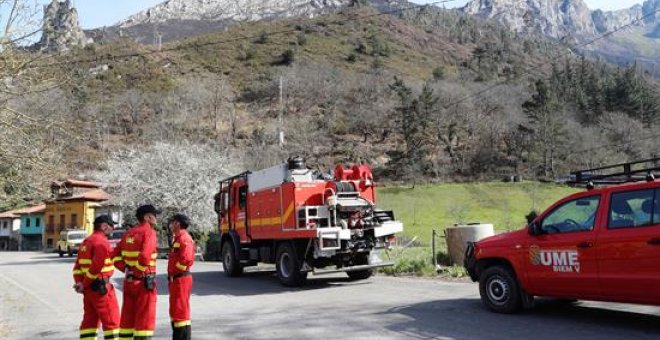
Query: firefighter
pixel 136 255
pixel 180 259
pixel 91 273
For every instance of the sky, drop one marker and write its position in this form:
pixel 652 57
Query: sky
pixel 98 13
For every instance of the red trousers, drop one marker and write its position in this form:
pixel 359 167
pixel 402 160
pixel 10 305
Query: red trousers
pixel 180 290
pixel 138 311
pixel 100 310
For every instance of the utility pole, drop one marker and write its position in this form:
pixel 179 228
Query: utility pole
pixel 280 133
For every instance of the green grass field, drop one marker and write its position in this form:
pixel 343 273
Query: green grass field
pixel 439 206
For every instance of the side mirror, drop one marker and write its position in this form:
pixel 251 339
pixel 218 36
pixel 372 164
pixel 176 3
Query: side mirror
pixel 535 229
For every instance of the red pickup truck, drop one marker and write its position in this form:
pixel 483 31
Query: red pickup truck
pixel 602 244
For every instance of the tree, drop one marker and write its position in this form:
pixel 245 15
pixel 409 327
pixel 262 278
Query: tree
pixel 176 177
pixel 547 120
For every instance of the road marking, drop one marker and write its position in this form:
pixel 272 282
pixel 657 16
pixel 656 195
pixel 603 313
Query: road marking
pixel 26 291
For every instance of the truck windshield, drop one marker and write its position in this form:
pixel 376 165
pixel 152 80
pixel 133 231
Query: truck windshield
pixel 76 236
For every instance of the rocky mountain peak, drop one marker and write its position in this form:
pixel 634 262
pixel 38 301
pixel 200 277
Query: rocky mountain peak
pixel 61 28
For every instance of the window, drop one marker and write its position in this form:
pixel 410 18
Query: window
pixel 27 222
pixel 74 220
pixel 242 196
pixel 4 225
pixel 572 216
pixel 62 221
pixel 632 209
pixel 37 222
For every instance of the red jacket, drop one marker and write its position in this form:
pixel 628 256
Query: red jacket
pixel 137 251
pixel 182 253
pixel 93 259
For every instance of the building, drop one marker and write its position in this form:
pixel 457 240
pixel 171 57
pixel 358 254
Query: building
pixel 72 206
pixel 32 227
pixel 10 226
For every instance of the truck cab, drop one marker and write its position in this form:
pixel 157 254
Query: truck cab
pixel 601 244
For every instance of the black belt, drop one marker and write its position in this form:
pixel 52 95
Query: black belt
pixel 178 276
pixel 133 277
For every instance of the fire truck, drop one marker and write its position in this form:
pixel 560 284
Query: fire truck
pixel 303 221
pixel 600 244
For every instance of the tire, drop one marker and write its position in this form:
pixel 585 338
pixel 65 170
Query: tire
pixel 60 252
pixel 499 290
pixel 360 274
pixel 230 263
pixel 288 266
pixel 69 252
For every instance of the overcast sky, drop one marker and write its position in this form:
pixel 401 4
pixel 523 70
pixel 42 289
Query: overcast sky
pixel 97 13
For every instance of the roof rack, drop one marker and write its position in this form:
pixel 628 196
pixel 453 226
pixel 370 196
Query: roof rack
pixel 617 174
pixel 239 176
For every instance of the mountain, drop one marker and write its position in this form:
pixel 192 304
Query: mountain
pixel 176 19
pixel 574 22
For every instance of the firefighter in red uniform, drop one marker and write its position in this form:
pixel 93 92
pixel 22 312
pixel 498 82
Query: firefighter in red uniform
pixel 136 255
pixel 180 259
pixel 92 273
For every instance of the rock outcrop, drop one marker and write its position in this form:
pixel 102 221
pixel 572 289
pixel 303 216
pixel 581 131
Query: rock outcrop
pixel 61 28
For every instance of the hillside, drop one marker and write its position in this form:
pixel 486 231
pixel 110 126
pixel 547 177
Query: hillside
pixel 428 95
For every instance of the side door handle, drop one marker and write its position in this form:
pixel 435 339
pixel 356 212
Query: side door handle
pixel 584 245
pixel 654 242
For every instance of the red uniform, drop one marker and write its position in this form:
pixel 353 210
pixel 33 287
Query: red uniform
pixel 180 259
pixel 136 255
pixel 99 299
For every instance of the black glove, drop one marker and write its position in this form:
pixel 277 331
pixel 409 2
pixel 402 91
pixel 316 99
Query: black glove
pixel 99 285
pixel 150 282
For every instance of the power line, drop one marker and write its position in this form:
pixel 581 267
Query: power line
pixel 529 71
pixel 236 39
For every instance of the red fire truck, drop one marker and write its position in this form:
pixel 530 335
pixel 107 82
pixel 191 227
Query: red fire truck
pixel 600 244
pixel 303 222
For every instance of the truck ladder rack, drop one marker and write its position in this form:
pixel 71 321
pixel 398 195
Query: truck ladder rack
pixel 617 174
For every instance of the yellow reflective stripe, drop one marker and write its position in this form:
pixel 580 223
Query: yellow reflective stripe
pixel 108 261
pixel 91 276
pixel 126 330
pixel 130 253
pixel 111 332
pixel 107 269
pixel 116 259
pixel 180 266
pixel 131 263
pixel 176 245
pixel 85 261
pixel 78 272
pixel 154 256
pixel 178 324
pixel 88 337
pixel 143 333
pixel 87 331
pixel 140 267
pixel 152 263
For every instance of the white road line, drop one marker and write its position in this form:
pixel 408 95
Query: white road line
pixel 33 295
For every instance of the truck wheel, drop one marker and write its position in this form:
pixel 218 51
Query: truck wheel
pixel 230 263
pixel 288 266
pixel 60 252
pixel 69 252
pixel 499 290
pixel 360 274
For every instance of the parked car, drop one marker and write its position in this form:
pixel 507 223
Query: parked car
pixel 601 244
pixel 69 241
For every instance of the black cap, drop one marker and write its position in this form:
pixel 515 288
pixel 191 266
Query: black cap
pixel 182 219
pixel 146 209
pixel 103 219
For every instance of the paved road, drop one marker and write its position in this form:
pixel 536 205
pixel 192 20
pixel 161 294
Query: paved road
pixel 38 303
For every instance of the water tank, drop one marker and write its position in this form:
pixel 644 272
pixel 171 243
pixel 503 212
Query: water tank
pixel 459 235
